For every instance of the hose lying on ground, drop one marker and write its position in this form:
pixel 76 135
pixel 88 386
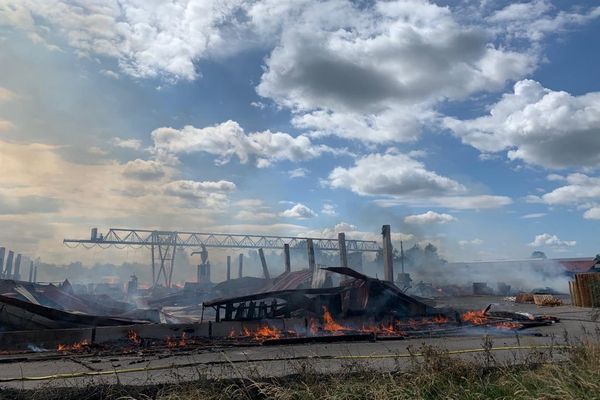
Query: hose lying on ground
pixel 260 360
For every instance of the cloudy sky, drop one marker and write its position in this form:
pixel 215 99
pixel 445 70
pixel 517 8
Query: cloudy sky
pixel 471 124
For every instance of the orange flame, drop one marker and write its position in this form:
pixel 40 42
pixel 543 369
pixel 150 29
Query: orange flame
pixel 440 319
pixel 475 317
pixel 260 333
pixel 170 342
pixel 383 330
pixel 509 325
pixel 134 337
pixel 182 340
pixel 266 332
pixel 329 323
pixel 75 346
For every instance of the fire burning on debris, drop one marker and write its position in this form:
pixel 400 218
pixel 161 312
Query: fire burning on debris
pixel 383 330
pixel 134 337
pixel 266 332
pixel 509 325
pixel 79 346
pixel 329 323
pixel 476 317
pixel 172 342
pixel 440 319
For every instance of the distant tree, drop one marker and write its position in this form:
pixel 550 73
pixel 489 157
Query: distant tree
pixel 538 254
pixel 416 256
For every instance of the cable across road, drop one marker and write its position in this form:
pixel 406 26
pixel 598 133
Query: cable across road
pixel 84 374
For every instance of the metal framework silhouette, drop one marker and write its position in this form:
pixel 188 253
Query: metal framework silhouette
pixel 163 244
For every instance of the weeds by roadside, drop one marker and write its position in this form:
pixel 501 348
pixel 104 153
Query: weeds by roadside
pixel 435 374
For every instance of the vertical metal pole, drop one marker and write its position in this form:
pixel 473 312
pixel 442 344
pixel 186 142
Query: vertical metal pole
pixel 17 273
pixel 153 263
pixel 343 252
pixel 173 251
pixel 9 264
pixel 241 265
pixel 402 256
pixel 2 251
pixel 161 260
pixel 228 267
pixel 263 261
pixel 388 260
pixel 286 255
pixel 311 254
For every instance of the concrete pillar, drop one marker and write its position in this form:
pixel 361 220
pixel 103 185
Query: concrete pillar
pixel 228 268
pixel 35 274
pixel 343 252
pixel 311 254
pixel 241 266
pixel 31 271
pixel 388 259
pixel 263 262
pixel 2 252
pixel 17 274
pixel 286 256
pixel 9 265
pixel 204 272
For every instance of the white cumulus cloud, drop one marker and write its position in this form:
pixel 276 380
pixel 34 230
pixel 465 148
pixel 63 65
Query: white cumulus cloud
pixel 578 190
pixel 539 126
pixel 209 193
pixel 133 144
pixel 298 211
pixel 399 179
pixel 229 139
pixel 430 217
pixel 372 73
pixel 144 169
pixel 546 239
pixel 394 175
pixel 329 209
pixel 592 213
pixel 536 19
pixel 147 38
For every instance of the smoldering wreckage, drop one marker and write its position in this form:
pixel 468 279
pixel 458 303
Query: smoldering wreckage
pixel 315 304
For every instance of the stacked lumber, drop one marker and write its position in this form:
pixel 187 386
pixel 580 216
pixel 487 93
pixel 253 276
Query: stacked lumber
pixel 524 298
pixel 585 290
pixel 546 300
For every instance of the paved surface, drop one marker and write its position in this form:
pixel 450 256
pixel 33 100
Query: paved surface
pixel 249 361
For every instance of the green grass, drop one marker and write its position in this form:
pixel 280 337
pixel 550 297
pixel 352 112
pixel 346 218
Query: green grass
pixel 437 375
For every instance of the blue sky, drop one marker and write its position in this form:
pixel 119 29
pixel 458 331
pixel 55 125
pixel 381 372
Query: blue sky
pixel 471 125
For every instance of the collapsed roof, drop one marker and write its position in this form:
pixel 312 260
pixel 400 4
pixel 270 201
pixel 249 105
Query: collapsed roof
pixel 357 295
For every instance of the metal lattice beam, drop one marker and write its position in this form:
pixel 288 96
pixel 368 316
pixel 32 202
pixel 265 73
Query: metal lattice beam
pixel 163 245
pixel 121 238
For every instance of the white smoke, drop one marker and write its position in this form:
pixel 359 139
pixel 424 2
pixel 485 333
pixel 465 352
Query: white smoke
pixel 521 274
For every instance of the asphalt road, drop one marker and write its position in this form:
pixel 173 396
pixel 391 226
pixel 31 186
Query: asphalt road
pixel 257 361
